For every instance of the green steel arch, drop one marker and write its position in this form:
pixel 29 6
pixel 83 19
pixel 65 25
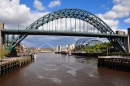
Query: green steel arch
pixel 77 14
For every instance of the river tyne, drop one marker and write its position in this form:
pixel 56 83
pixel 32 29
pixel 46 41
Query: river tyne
pixel 50 69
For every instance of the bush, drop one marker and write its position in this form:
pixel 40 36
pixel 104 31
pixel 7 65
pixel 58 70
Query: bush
pixel 3 52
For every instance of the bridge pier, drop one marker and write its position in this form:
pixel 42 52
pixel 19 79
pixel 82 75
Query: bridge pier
pixel 1 35
pixel 128 40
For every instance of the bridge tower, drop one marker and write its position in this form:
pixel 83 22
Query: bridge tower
pixel 125 40
pixel 1 35
pixel 129 40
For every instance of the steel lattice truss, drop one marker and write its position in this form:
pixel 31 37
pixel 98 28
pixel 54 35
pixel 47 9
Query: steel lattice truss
pixel 77 14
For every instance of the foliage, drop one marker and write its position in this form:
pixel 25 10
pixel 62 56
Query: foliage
pixel 98 48
pixel 3 52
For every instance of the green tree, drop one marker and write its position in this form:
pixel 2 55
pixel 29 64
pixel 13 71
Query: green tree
pixel 3 52
pixel 98 48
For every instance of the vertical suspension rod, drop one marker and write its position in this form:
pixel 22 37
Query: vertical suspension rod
pixel 57 24
pixel 60 24
pixel 75 24
pixel 47 26
pixel 70 25
pixel 79 26
pixel 83 26
pixel 42 27
pixel 66 24
pixel 52 25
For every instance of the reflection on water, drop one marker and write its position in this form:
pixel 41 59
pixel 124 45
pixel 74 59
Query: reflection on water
pixel 50 69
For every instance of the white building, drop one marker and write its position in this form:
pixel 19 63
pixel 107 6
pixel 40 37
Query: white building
pixel 66 47
pixel 70 46
pixel 58 48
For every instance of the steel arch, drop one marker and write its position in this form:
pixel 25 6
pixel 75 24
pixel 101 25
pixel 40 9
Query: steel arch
pixel 73 13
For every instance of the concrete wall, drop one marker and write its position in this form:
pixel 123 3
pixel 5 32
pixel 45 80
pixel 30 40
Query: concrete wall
pixel 1 38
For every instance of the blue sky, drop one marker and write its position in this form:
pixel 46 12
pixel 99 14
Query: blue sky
pixel 82 4
pixel 116 13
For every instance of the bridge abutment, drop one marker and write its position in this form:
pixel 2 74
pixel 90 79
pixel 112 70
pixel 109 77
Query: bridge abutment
pixel 125 40
pixel 129 40
pixel 1 35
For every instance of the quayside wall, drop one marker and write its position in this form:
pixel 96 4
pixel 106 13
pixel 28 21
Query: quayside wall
pixel 10 64
pixel 95 54
pixel 114 62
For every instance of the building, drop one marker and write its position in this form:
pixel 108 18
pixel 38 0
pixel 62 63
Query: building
pixel 87 42
pixel 66 46
pixel 58 48
pixel 120 32
pixel 23 49
pixel 70 46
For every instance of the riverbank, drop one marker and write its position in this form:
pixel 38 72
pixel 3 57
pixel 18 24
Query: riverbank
pixel 9 64
pixel 94 54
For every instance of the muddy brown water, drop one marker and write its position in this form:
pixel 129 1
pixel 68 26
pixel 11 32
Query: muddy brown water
pixel 50 69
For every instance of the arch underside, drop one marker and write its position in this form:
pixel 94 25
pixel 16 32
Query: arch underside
pixel 77 14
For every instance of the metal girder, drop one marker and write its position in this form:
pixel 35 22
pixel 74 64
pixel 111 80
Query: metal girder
pixel 62 33
pixel 72 13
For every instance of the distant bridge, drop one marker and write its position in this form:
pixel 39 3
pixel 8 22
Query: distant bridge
pixel 70 22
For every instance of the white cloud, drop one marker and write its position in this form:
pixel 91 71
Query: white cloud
pixel 123 2
pixel 112 23
pixel 117 1
pixel 127 20
pixel 12 13
pixel 119 10
pixel 38 5
pixel 54 3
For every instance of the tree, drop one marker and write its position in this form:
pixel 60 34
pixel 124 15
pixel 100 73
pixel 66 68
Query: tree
pixel 3 52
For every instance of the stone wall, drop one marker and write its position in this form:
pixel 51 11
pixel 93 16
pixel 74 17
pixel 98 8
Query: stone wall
pixel 1 38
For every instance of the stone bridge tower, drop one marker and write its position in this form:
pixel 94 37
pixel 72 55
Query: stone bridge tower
pixel 1 36
pixel 129 40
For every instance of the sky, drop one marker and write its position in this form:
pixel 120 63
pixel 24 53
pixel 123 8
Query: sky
pixel 22 13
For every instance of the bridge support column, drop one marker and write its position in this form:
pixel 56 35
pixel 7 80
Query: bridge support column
pixel 1 35
pixel 129 40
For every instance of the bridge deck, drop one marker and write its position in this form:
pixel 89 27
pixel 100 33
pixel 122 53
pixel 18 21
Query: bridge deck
pixel 61 33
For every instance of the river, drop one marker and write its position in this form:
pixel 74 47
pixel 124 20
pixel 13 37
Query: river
pixel 50 69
